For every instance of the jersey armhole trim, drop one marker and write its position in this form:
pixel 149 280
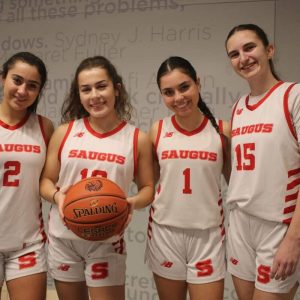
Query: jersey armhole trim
pixel 287 113
pixel 223 141
pixel 40 119
pixel 64 140
pixel 158 134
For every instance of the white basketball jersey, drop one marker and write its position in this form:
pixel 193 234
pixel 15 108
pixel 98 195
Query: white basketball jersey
pixel 265 175
pixel 188 193
pixel 22 157
pixel 85 153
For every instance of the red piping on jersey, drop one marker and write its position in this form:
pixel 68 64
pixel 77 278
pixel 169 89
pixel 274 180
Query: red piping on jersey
pixel 18 125
pixel 135 151
pixel 287 221
pixel 263 99
pixel 233 113
pixel 64 139
pixel 289 209
pixel 189 133
pixel 293 172
pixel 158 134
pixel 291 197
pixel 102 135
pixel 43 129
pixel 286 111
pixel 222 137
pixel 293 184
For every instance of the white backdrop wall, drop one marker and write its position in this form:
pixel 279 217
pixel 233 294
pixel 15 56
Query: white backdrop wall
pixel 137 35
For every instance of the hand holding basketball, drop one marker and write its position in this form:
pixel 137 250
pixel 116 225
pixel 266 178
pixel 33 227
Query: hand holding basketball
pixel 95 208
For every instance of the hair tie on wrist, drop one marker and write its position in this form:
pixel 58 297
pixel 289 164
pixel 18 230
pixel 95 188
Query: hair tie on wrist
pixel 53 197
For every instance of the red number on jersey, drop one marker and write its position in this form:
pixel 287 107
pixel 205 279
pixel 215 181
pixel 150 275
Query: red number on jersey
pixel 263 274
pixel 245 160
pixel 99 270
pixel 205 268
pixel 84 173
pixel 12 168
pixel 27 261
pixel 187 181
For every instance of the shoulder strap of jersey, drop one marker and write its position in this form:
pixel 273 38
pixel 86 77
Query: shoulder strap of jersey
pixel 223 139
pixel 64 139
pixel 41 123
pixel 160 123
pixel 286 110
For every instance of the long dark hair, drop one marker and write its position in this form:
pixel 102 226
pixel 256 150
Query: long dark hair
pixel 32 60
pixel 260 34
pixel 177 62
pixel 72 107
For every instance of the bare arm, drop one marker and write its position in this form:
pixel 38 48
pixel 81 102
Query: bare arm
pixel 144 176
pixel 48 128
pixel 227 165
pixel 153 135
pixel 52 168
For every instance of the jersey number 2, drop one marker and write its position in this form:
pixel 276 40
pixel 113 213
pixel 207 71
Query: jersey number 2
pixel 12 168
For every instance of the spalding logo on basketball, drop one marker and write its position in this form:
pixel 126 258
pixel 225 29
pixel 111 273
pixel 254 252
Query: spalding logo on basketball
pixel 95 209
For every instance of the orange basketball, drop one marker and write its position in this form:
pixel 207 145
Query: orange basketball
pixel 95 208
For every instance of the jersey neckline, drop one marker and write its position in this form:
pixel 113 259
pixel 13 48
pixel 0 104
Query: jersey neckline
pixel 186 132
pixel 16 126
pixel 264 98
pixel 102 135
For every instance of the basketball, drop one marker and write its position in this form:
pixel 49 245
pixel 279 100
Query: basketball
pixel 95 208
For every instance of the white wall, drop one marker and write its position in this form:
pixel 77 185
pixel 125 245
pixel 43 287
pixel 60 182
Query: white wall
pixel 137 35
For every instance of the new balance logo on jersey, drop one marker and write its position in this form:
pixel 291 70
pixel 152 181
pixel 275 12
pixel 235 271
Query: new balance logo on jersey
pixel 168 134
pixel 239 111
pixel 167 264
pixel 78 134
pixel 64 267
pixel 234 261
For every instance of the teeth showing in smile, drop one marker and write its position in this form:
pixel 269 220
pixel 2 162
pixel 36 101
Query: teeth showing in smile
pixel 249 66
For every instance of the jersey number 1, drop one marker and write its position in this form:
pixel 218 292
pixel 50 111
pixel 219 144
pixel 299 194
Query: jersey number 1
pixel 187 181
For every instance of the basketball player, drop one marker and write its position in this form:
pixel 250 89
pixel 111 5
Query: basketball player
pixel 185 249
pixel 23 140
pixel 96 141
pixel 264 231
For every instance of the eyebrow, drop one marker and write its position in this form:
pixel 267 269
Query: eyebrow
pixel 27 81
pixel 245 45
pixel 101 81
pixel 179 85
